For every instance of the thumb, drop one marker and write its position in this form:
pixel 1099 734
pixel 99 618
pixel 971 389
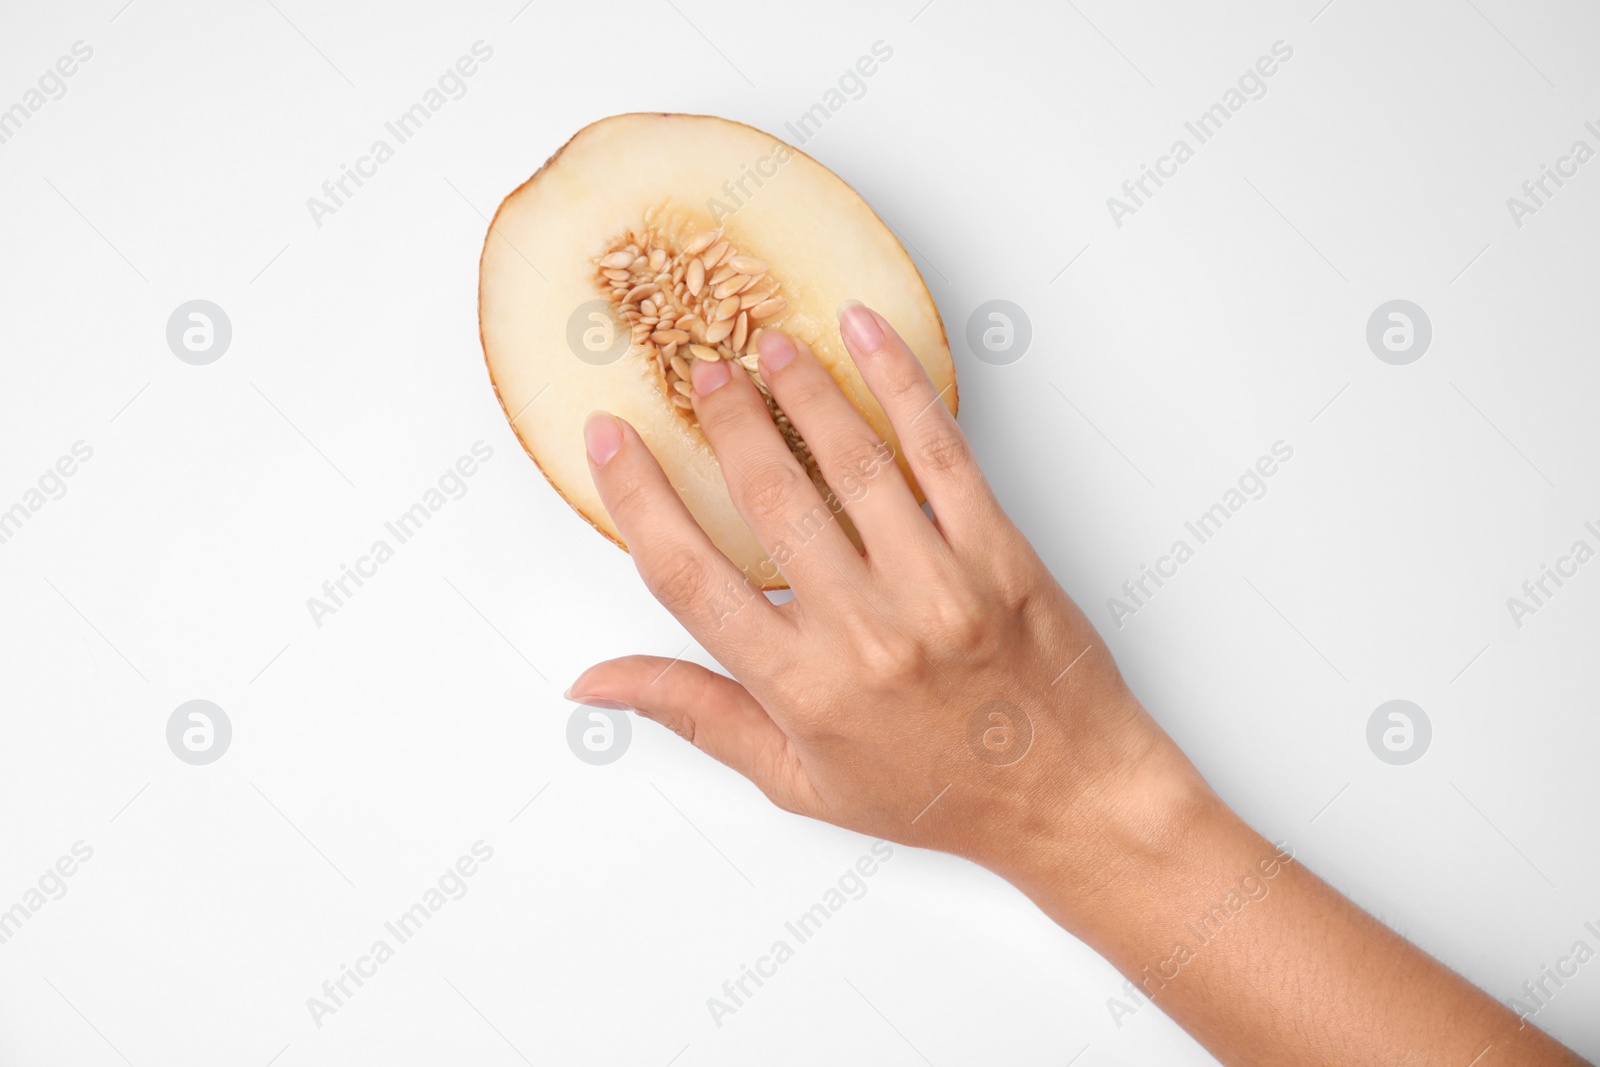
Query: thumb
pixel 712 712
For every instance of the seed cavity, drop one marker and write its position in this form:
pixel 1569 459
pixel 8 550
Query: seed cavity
pixel 695 298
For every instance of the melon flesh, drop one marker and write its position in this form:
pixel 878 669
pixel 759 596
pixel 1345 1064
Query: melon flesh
pixel 676 176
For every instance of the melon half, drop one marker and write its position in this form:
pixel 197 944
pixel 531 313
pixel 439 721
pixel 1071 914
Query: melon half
pixel 651 240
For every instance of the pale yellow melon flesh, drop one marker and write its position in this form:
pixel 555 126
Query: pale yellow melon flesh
pixel 676 174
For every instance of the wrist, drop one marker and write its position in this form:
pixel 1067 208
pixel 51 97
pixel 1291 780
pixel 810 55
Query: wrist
pixel 1140 818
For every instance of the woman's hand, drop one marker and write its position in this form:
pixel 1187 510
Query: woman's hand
pixel 938 689
pixel 941 690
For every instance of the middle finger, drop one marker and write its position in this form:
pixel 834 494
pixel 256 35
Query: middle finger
pixel 773 492
pixel 859 467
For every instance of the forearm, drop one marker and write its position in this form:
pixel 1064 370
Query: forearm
pixel 1260 960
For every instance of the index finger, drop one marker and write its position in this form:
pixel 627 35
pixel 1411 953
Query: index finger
pixel 721 607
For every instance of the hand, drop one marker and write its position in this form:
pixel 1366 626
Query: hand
pixel 937 688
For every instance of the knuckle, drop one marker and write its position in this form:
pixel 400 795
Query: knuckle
pixel 1017 586
pixel 628 496
pixel 682 725
pixel 769 492
pixel 678 580
pixel 944 451
pixel 890 662
pixel 905 379
pixel 1009 573
pixel 960 624
pixel 806 390
pixel 857 462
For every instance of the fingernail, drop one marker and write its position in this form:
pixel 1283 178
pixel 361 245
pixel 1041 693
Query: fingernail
pixel 777 351
pixel 709 376
pixel 601 702
pixel 602 436
pixel 859 327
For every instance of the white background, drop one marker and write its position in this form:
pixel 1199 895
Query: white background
pixel 368 754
